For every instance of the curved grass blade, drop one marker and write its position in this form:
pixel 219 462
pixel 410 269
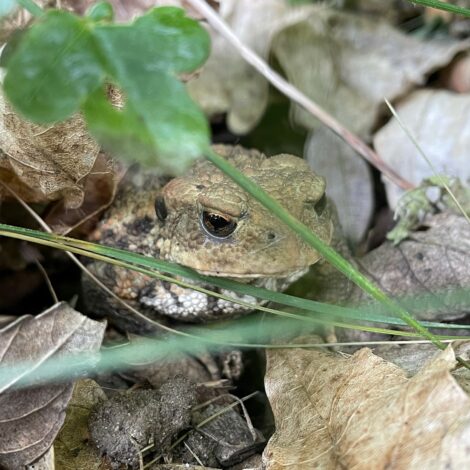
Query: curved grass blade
pixel 324 313
pixel 443 6
pixel 326 251
pixel 143 351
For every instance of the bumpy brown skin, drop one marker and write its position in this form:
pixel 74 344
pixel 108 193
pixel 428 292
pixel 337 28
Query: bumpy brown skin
pixel 261 249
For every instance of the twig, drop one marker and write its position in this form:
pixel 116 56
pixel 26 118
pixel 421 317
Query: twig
pixel 219 25
pixel 48 281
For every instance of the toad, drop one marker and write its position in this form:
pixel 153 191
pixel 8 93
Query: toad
pixel 203 220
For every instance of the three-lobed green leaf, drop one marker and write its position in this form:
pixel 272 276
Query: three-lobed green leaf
pixel 64 63
pixel 54 68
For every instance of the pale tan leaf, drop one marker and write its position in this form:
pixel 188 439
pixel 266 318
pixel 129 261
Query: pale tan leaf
pixel 333 411
pixel 349 180
pixel 45 163
pixel 348 63
pixel 227 84
pixel 439 122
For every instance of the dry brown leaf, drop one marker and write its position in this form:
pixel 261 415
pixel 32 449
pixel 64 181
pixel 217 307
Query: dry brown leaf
pixel 411 357
pixel 99 190
pixel 72 448
pixel 46 462
pixel 456 77
pixel 349 180
pixel 431 266
pixel 348 63
pixel 439 122
pixel 45 163
pixel 362 412
pixel 32 417
pixel 429 269
pixel 227 84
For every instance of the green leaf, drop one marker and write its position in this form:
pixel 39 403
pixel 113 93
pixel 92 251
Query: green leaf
pixel 144 59
pixel 120 132
pixel 54 68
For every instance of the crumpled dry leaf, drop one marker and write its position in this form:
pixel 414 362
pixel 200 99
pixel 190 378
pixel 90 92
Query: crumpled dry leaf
pixel 348 63
pixel 72 448
pixel 411 357
pixel 429 272
pixel 32 417
pixel 45 163
pixel 46 462
pixel 433 263
pixel 362 412
pixel 349 180
pixel 99 188
pixel 439 121
pixel 227 83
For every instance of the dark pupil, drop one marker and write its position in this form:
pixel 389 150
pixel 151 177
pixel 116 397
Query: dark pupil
pixel 160 208
pixel 218 225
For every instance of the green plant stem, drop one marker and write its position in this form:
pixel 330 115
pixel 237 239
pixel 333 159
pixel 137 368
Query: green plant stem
pixel 326 251
pixel 443 6
pixel 32 7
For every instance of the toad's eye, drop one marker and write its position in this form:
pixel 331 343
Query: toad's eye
pixel 160 208
pixel 217 225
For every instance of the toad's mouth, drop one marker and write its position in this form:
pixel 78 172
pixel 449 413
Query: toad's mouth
pixel 252 278
pixel 259 279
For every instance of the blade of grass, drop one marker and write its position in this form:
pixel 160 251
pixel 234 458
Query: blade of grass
pixel 443 6
pixel 32 7
pixel 326 251
pixel 136 261
pixel 152 273
pixel 142 351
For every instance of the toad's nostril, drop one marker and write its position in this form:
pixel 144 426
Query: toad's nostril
pixel 160 208
pixel 320 205
pixel 271 236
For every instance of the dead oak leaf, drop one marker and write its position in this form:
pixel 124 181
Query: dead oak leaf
pixel 45 163
pixel 333 411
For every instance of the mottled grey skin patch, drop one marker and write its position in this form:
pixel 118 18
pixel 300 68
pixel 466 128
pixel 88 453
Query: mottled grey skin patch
pixel 205 221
